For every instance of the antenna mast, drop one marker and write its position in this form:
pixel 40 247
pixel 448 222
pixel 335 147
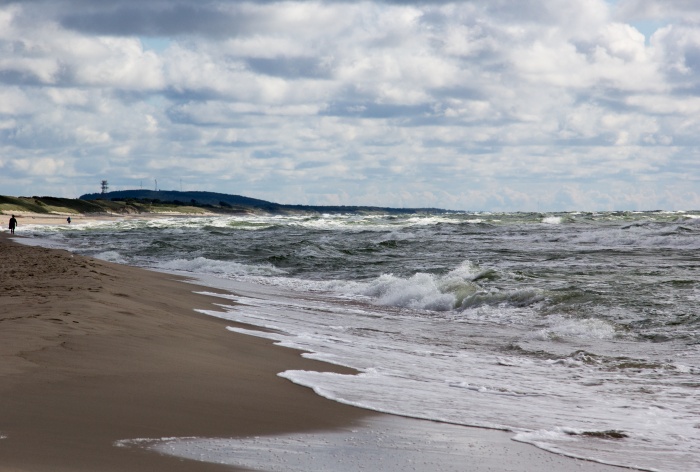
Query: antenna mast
pixel 105 187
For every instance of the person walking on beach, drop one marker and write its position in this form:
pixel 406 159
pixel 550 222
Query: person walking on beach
pixel 13 224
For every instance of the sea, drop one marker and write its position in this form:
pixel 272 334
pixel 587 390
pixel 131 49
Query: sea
pixel 578 332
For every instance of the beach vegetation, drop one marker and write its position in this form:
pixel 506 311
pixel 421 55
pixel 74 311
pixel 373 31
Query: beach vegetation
pixel 47 205
pixel 174 202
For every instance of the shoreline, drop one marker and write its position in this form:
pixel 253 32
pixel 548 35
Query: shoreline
pixel 95 352
pixel 26 218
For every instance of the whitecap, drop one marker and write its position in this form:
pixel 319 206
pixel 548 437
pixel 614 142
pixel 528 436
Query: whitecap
pixel 566 327
pixel 202 265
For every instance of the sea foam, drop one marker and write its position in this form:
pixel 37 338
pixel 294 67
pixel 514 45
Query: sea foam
pixel 203 265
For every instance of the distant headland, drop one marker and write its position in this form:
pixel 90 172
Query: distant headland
pixel 178 202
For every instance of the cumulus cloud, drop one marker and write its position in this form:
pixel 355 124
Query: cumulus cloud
pixel 658 10
pixel 479 104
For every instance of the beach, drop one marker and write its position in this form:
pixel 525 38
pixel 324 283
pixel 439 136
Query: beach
pixel 95 352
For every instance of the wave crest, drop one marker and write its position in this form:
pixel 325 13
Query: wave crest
pixel 459 289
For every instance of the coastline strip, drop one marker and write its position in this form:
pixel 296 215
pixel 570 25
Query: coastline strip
pixel 93 352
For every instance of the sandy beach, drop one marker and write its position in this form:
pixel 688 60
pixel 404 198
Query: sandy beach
pixel 94 352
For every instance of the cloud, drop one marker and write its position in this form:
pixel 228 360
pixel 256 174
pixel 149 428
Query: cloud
pixel 658 10
pixel 475 104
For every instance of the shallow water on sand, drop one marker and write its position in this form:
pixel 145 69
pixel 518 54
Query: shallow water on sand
pixel 389 444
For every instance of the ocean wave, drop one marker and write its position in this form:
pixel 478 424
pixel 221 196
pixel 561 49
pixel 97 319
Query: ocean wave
pixel 227 269
pixel 424 291
pixel 561 327
pixel 420 291
pixel 112 256
pixel 602 304
pixel 515 298
pixel 552 220
pixel 457 290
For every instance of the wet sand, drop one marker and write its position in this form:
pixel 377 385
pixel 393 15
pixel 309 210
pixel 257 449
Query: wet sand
pixel 92 353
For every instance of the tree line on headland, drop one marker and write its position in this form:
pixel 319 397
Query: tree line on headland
pixel 150 201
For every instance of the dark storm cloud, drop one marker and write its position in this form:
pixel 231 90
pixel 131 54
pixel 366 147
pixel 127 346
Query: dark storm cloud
pixel 144 18
pixel 25 78
pixel 290 67
pixel 157 17
pixel 266 154
pixel 164 20
pixel 19 77
pixel 657 9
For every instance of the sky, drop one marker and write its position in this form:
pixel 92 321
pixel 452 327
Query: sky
pixel 481 105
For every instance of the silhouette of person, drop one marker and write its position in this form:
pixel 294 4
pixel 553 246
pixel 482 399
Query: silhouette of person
pixel 68 220
pixel 13 224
